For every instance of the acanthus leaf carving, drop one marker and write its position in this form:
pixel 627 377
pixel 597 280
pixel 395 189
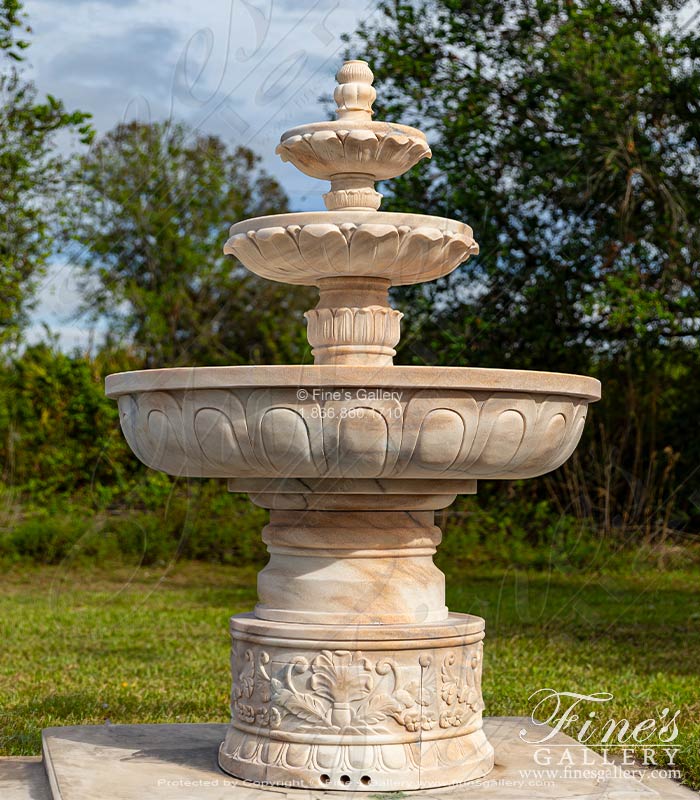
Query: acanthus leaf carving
pixel 345 692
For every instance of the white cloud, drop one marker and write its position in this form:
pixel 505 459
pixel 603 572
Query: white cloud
pixel 58 306
pixel 243 69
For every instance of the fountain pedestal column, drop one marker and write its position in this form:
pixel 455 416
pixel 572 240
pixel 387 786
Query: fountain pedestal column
pixel 351 673
pixel 382 707
pixel 352 568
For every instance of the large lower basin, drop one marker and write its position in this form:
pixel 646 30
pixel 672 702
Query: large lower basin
pixel 359 422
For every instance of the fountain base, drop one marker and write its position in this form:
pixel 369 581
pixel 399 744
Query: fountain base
pixel 357 707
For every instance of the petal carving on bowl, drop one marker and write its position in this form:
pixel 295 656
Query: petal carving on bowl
pixel 425 433
pixel 304 253
pixel 500 433
pixel 324 146
pixel 264 400
pixel 420 248
pixel 166 434
pixel 156 424
pixel 285 439
pixel 573 436
pixel 553 438
pixel 394 147
pixel 457 247
pixel 439 440
pixel 374 244
pixel 280 247
pixel 379 426
pixel 324 247
pixel 379 154
pixel 503 443
pixel 128 419
pixel 215 435
pixel 359 150
pixel 243 246
pixel 363 443
pixel 418 407
pixel 233 428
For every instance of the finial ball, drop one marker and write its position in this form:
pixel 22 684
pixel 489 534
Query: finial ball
pixel 354 93
pixel 355 72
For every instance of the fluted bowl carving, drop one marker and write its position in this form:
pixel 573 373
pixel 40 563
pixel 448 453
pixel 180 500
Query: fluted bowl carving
pixel 328 426
pixel 382 153
pixel 306 247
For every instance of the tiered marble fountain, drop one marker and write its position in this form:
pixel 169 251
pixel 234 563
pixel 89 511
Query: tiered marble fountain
pixel 351 673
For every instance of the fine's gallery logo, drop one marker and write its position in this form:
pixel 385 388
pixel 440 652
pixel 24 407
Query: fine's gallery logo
pixel 323 395
pixel 584 719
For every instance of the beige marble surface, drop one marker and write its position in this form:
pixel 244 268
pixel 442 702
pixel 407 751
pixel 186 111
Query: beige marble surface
pixel 353 151
pixel 351 568
pixel 353 564
pixel 330 376
pixel 305 247
pixel 384 706
pixel 344 432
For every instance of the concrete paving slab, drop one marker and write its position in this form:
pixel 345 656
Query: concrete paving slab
pixel 23 779
pixel 178 762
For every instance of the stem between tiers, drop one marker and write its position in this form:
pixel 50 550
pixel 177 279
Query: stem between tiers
pixel 351 567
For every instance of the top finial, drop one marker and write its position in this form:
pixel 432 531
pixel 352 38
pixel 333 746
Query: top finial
pixel 354 94
pixel 353 151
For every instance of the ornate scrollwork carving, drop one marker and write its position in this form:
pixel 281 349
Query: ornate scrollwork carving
pixel 345 692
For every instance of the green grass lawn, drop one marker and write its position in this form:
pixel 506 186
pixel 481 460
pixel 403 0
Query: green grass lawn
pixel 85 645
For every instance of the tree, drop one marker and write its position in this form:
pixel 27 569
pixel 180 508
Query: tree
pixel 153 203
pixel 31 171
pixel 59 433
pixel 567 133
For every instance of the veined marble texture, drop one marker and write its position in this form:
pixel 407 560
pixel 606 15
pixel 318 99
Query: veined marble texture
pixel 399 706
pixel 305 247
pixel 351 673
pixel 416 433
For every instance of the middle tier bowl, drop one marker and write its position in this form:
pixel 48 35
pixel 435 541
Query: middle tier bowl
pixel 303 248
pixel 330 422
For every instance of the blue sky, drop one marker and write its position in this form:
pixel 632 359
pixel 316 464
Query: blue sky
pixel 244 69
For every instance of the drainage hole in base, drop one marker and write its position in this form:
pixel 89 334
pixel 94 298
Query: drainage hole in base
pixel 325 779
pixel 345 779
pixel 366 780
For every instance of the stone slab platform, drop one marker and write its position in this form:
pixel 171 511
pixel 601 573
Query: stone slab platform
pixel 178 762
pixel 23 779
